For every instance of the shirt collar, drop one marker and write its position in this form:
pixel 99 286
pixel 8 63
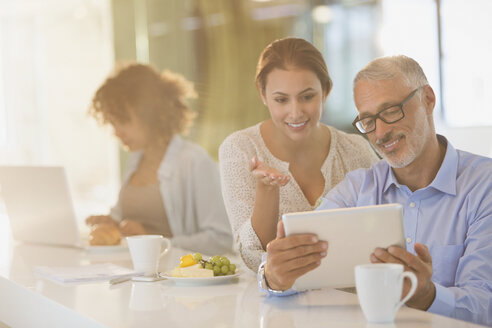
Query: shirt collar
pixel 445 180
pixel 390 178
pixel 169 161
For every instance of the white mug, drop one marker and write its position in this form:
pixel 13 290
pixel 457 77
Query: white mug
pixel 379 288
pixel 146 252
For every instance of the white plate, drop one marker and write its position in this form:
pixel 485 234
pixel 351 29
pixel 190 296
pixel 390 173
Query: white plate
pixel 200 281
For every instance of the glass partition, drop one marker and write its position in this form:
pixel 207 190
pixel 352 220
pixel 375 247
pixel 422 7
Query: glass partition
pixel 216 45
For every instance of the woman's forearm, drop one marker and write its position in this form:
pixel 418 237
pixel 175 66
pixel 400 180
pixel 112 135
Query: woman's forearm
pixel 265 212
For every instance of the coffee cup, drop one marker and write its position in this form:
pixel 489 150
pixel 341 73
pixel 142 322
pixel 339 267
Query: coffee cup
pixel 379 289
pixel 146 252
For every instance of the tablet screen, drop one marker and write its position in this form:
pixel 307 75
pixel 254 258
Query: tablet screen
pixel 352 235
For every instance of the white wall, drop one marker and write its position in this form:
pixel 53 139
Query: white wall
pixel 477 140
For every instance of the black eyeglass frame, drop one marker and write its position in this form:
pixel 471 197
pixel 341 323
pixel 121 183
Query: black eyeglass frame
pixel 378 115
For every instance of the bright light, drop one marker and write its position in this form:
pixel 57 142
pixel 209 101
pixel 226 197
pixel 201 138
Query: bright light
pixel 322 14
pixel 80 13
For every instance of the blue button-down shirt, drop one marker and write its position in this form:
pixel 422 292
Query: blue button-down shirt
pixel 452 216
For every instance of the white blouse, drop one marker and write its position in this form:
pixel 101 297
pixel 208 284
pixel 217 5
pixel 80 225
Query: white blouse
pixel 190 190
pixel 347 152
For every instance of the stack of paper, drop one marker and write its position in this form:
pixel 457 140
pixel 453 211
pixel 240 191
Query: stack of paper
pixel 86 273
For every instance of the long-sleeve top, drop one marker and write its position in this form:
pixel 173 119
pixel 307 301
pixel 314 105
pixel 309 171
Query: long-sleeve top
pixel 347 152
pixel 452 216
pixel 189 184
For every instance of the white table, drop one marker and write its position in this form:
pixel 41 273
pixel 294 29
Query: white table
pixel 27 300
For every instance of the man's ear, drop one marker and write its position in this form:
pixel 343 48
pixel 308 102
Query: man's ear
pixel 429 99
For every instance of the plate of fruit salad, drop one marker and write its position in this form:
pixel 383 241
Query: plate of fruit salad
pixel 194 269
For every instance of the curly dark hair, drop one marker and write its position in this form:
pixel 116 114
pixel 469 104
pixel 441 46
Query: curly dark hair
pixel 157 99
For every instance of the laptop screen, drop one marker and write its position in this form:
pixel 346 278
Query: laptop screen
pixel 39 205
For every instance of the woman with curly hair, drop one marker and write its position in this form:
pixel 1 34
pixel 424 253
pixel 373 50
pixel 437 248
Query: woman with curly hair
pixel 171 186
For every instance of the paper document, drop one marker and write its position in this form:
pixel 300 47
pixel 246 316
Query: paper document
pixel 84 273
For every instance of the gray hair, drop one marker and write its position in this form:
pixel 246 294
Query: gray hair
pixel 392 67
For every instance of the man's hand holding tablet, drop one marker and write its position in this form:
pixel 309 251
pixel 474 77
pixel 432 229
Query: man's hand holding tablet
pixel 420 264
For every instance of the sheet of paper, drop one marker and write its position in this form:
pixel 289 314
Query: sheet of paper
pixel 84 273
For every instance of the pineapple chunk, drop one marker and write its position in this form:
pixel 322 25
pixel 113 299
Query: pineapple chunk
pixel 186 261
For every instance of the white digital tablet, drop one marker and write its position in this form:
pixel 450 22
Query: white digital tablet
pixel 352 235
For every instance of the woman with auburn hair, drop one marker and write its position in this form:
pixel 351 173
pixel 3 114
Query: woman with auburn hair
pixel 286 163
pixel 171 186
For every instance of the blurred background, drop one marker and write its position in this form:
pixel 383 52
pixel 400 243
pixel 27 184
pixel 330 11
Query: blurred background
pixel 54 54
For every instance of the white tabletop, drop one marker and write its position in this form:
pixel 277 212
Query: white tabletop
pixel 27 300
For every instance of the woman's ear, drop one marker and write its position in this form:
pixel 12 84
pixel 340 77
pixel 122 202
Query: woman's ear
pixel 325 95
pixel 263 97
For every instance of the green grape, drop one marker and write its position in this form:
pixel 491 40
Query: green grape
pixel 209 266
pixel 232 267
pixel 225 261
pixel 215 259
pixel 224 269
pixel 197 257
pixel 216 270
pixel 230 273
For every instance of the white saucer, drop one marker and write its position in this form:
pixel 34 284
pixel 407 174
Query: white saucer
pixel 200 281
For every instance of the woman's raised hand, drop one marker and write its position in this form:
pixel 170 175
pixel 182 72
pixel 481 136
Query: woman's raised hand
pixel 267 175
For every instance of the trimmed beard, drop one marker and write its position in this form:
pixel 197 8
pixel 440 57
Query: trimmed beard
pixel 415 143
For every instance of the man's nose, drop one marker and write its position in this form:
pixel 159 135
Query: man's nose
pixel 382 128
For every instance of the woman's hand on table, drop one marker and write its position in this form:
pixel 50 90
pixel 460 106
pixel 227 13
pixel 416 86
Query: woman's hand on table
pixel 267 175
pixel 100 219
pixel 130 228
pixel 106 231
pixel 290 257
pixel 103 234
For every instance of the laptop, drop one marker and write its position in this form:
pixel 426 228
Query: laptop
pixel 39 205
pixel 352 235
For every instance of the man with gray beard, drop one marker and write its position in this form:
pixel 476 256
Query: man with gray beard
pixel 446 195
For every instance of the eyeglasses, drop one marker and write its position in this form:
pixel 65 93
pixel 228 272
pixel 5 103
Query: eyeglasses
pixel 388 115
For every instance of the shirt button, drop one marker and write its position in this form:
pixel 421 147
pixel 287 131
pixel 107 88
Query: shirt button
pixel 409 240
pixel 412 204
